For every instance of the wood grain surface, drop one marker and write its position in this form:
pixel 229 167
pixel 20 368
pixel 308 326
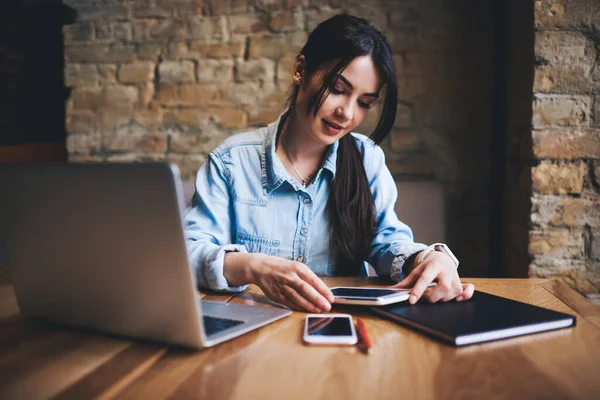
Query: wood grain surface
pixel 42 361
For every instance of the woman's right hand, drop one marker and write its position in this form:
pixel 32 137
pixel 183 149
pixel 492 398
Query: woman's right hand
pixel 290 283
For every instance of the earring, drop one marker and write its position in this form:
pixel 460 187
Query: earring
pixel 297 79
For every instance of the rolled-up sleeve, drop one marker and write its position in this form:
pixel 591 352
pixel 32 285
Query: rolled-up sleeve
pixel 208 226
pixel 393 242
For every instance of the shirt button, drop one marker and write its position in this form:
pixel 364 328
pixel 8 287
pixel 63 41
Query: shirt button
pixel 304 231
pixel 300 258
pixel 306 200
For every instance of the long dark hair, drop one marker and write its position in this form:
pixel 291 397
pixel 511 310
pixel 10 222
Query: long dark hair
pixel 351 207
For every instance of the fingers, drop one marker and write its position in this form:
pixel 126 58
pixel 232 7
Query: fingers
pixel 428 275
pixel 443 289
pixel 310 294
pixel 312 279
pixel 299 301
pixel 467 293
pixel 411 278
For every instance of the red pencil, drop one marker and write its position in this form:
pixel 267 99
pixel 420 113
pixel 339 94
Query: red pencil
pixel 364 339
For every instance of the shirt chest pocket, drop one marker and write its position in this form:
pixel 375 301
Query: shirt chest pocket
pixel 257 244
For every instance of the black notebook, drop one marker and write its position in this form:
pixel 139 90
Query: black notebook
pixel 483 318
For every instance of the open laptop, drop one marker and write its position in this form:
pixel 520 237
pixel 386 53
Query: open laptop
pixel 101 246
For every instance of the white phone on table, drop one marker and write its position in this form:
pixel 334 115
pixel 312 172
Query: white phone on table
pixel 329 329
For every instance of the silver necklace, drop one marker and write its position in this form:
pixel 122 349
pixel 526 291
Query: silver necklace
pixel 304 180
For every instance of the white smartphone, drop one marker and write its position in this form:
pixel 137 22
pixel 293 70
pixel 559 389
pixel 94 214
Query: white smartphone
pixel 329 329
pixel 369 296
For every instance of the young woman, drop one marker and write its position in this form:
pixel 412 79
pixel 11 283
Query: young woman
pixel 304 196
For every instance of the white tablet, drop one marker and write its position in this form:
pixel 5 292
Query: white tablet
pixel 369 296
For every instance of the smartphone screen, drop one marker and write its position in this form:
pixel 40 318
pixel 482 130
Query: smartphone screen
pixel 329 326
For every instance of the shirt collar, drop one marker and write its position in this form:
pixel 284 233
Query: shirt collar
pixel 273 171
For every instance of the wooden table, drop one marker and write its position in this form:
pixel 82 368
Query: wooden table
pixel 42 361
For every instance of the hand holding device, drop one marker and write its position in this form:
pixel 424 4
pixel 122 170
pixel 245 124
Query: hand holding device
pixel 290 283
pixel 441 268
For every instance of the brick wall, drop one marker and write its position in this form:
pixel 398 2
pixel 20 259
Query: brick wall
pixel 565 216
pixel 170 79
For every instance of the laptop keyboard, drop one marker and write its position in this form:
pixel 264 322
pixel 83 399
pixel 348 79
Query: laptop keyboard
pixel 213 324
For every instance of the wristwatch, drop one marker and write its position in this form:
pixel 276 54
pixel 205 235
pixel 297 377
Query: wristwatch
pixel 437 247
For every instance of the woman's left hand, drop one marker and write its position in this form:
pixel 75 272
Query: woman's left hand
pixel 436 267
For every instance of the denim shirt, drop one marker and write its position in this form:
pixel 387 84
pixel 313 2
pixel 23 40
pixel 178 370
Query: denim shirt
pixel 246 201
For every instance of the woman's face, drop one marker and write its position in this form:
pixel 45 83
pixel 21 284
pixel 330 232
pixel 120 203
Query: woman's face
pixel 347 104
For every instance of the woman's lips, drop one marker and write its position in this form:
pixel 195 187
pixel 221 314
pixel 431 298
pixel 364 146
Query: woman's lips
pixel 332 128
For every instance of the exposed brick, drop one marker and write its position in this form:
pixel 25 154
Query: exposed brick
pixel 186 120
pixel 109 119
pixel 564 211
pixel 412 165
pixel 80 122
pixel 271 95
pixel 111 30
pixel 597 172
pixel 595 245
pixel 140 29
pixel 218 50
pixel 134 138
pixel 188 164
pixel 151 50
pixel 556 243
pixel 100 53
pixel 81 75
pixel 285 21
pixel 108 73
pixel 405 140
pixel 137 156
pixel 230 117
pixel 285 68
pixel 238 6
pixel 204 142
pixel 268 5
pixel 404 116
pixel 215 7
pixel 262 117
pixel 136 72
pixel 78 32
pixel 563 79
pixel 315 16
pixel 158 9
pixel 289 4
pixel 565 49
pixel 241 94
pixel 578 274
pixel 84 143
pixel 167 28
pixel 374 13
pixel 411 89
pixel 566 13
pixel 176 72
pixel 107 97
pixel 209 30
pixel 188 95
pixel 566 143
pixel 85 158
pixel 248 23
pixel 561 110
pixel 277 46
pixel 146 93
pixel 549 178
pixel 215 71
pixel 261 69
pixel 596 121
pixel 102 11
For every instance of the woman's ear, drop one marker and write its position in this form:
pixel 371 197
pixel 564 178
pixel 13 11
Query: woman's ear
pixel 299 68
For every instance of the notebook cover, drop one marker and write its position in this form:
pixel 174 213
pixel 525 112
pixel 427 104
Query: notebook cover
pixel 483 318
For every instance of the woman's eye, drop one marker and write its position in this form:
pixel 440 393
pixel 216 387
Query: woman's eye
pixel 335 90
pixel 364 105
